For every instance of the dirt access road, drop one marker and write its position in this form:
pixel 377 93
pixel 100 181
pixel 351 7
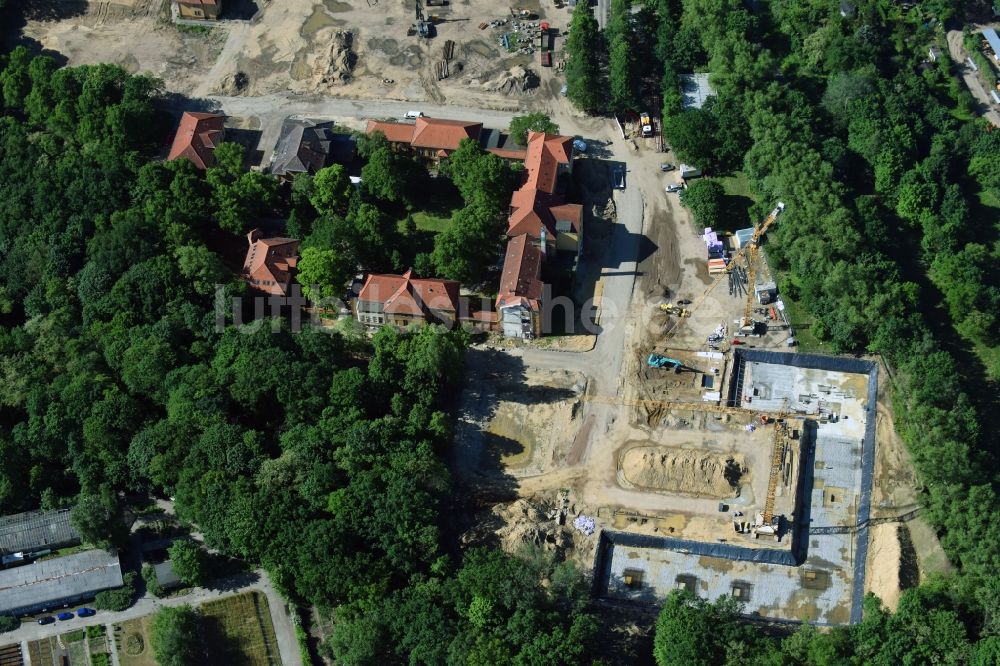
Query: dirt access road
pixel 956 50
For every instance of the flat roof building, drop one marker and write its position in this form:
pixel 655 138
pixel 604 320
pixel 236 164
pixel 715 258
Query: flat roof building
pixel 695 89
pixel 991 36
pixel 48 584
pixel 36 530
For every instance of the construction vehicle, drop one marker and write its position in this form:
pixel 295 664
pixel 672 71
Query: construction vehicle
pixel 658 361
pixel 670 308
pixel 747 323
pixel 647 124
pixel 424 27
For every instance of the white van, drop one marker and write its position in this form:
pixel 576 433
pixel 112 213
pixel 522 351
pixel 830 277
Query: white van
pixel 413 115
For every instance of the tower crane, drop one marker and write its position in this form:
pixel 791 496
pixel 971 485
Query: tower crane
pixel 751 249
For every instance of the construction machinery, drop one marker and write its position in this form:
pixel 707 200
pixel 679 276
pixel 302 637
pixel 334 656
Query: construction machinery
pixel 646 123
pixel 424 27
pixel 747 324
pixel 766 523
pixel 733 262
pixel 670 308
pixel 658 361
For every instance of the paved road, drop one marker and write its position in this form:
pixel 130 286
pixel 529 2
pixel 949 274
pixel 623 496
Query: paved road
pixel 987 108
pixel 602 12
pixel 288 646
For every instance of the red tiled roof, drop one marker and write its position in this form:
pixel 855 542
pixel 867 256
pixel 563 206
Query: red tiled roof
pixel 520 282
pixel 439 133
pixel 508 153
pixel 535 205
pixel 197 135
pixel 542 159
pixel 404 294
pixel 530 215
pixel 571 212
pixel 269 263
pixel 394 132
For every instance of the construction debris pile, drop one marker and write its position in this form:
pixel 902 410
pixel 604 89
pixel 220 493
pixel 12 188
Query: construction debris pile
pixel 513 81
pixel 334 67
pixel 585 524
pixel 526 522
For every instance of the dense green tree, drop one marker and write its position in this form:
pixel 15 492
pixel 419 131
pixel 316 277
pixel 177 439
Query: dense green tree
pixel 119 598
pixel 323 273
pixel 98 520
pixel 482 178
pixel 533 122
pixel 470 245
pixel 583 69
pixel 384 175
pixel 704 198
pixel 190 562
pixel 623 69
pixel 174 637
pixel 331 189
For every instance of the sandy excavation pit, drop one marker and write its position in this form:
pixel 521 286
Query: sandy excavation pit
pixel 687 471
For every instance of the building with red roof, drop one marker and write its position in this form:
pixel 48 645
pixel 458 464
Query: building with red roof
pixel 404 300
pixel 270 263
pixel 538 208
pixel 519 301
pixel 199 9
pixel 197 136
pixel 436 138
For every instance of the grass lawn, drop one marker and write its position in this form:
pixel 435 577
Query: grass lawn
pixel 132 642
pixel 435 221
pixel 739 198
pixel 801 321
pixel 237 630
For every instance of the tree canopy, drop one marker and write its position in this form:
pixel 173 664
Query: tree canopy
pixel 534 122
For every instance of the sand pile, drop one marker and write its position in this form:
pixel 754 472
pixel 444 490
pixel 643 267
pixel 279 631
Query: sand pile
pixel 683 471
pixel 513 81
pixel 334 66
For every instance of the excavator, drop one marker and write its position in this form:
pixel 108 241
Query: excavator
pixel 670 308
pixel 424 27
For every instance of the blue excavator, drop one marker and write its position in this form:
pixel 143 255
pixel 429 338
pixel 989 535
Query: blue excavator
pixel 659 361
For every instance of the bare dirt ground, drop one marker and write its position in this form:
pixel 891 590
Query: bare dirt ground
pixel 351 49
pixel 882 570
pixel 135 34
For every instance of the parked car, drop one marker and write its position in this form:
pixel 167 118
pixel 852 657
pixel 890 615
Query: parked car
pixel 48 619
pixel 683 301
pixel 413 115
pixel 674 187
pixel 65 615
pixel 85 612
pixel 667 166
pixel 618 178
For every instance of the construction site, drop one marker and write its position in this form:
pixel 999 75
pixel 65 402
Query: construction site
pixel 474 52
pixel 714 458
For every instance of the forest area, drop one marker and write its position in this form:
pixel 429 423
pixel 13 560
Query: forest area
pixel 889 240
pixel 316 455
